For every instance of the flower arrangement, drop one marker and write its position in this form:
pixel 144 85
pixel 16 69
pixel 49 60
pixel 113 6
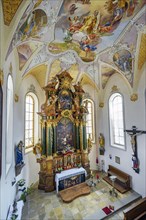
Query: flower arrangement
pixel 23 191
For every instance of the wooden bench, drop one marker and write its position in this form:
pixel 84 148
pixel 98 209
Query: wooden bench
pixel 73 192
pixel 136 211
pixel 122 183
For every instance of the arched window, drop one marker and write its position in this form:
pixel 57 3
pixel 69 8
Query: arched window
pixel 9 123
pixel 116 119
pixel 31 120
pixel 90 124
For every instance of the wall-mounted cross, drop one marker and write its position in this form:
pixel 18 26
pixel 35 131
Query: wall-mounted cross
pixel 133 134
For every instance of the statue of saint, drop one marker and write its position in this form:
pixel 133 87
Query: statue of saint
pixel 101 140
pixel 19 153
pixel 133 140
pixel 89 143
pixel 37 150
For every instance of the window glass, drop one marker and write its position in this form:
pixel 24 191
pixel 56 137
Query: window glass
pixel 29 121
pixel 90 119
pixel 116 119
pixel 9 124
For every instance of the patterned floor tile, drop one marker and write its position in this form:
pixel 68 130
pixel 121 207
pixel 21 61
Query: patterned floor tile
pixel 49 206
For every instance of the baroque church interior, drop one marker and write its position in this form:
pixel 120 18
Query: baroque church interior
pixel 72 109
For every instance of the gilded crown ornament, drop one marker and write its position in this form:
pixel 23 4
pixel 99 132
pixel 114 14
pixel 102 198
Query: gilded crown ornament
pixel 134 97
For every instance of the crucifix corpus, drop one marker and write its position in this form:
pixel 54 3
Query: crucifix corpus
pixel 133 134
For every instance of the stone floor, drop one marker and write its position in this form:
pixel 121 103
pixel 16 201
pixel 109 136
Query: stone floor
pixel 49 206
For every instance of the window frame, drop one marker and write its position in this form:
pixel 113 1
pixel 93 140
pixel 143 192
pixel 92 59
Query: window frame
pixel 92 118
pixel 8 132
pixel 111 129
pixel 35 121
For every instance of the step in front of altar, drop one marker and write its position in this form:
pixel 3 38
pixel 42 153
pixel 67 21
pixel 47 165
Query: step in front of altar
pixel 73 192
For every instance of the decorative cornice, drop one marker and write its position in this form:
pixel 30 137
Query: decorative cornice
pixel 141 28
pixel 130 24
pixel 118 47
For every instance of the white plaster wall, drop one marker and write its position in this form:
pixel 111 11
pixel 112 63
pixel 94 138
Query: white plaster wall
pixel 134 115
pixel 31 168
pixel 93 153
pixel 30 171
pixel 7 190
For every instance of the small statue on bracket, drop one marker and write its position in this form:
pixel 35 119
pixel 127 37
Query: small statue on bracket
pixel 135 163
pixel 89 143
pixel 101 143
pixel 37 150
pixel 19 153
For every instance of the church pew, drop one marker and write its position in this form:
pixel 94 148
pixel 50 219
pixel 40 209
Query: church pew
pixel 122 182
pixel 136 211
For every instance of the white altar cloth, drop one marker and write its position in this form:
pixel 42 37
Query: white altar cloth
pixel 67 174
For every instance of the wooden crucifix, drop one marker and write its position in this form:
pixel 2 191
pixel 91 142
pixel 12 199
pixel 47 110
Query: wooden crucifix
pixel 133 134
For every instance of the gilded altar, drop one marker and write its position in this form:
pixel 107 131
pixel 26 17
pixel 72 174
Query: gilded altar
pixel 63 130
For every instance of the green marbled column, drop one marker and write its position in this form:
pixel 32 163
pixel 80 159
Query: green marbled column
pixel 43 135
pixel 49 139
pixel 54 138
pixel 77 138
pixel 81 135
pixel 84 137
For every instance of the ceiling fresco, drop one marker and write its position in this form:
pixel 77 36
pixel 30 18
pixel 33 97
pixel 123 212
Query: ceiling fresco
pixel 142 53
pixel 83 24
pixel 39 73
pixel 97 38
pixel 9 9
pixel 107 72
pixel 24 53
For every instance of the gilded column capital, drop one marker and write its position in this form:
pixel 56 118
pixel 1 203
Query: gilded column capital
pixel 48 124
pixel 85 151
pixel 83 123
pixel 43 123
pixel 77 123
pixel 49 158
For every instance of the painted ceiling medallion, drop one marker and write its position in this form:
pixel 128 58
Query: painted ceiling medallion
pixel 123 60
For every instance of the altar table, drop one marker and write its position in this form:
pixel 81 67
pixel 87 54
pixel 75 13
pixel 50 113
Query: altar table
pixel 66 174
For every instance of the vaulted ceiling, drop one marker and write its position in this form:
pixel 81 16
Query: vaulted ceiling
pixel 90 39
